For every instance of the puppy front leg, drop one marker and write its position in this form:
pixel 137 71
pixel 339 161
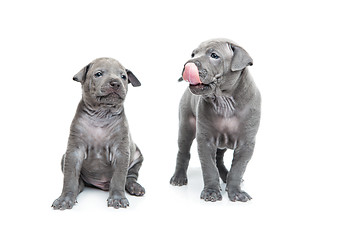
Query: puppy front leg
pixel 207 155
pixel 71 167
pixel 242 156
pixel 117 196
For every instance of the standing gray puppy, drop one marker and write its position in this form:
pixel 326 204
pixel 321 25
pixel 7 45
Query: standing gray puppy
pixel 221 108
pixel 100 151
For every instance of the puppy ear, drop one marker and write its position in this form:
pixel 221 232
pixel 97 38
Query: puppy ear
pixel 81 76
pixel 241 59
pixel 133 79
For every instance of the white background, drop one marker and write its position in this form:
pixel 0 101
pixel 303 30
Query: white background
pixel 303 177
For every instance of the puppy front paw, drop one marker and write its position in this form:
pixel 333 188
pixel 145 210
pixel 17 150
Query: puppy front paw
pixel 236 194
pixel 65 201
pixel 179 179
pixel 116 201
pixel 210 194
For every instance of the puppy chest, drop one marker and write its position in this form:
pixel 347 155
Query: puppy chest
pixel 93 134
pixel 227 132
pixel 98 154
pixel 227 125
pixel 97 135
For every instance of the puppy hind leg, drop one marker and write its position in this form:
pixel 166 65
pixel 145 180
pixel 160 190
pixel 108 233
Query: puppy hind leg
pixel 186 137
pixel 132 186
pixel 81 185
pixel 220 164
pixel 62 162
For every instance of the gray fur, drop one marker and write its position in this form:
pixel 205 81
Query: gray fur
pixel 100 151
pixel 223 113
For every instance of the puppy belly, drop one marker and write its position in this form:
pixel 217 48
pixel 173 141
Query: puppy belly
pixel 102 183
pixel 97 176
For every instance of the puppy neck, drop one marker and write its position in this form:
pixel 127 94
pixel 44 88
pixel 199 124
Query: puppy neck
pixel 225 102
pixel 101 113
pixel 244 90
pixel 223 106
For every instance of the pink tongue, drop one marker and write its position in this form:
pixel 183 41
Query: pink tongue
pixel 191 74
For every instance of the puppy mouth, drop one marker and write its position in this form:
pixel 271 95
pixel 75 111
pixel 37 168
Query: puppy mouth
pixel 195 78
pixel 109 99
pixel 201 88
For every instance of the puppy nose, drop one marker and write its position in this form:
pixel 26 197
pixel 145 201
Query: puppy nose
pixel 197 63
pixel 115 84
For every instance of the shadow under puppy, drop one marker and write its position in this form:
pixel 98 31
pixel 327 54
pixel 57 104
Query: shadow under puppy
pixel 221 108
pixel 100 151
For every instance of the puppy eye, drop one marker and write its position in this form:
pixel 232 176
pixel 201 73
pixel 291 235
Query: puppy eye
pixel 214 55
pixel 123 77
pixel 192 55
pixel 98 74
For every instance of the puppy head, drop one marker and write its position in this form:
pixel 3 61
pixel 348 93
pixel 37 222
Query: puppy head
pixel 214 65
pixel 105 83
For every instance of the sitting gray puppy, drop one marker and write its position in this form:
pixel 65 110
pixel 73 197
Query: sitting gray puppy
pixel 100 151
pixel 221 108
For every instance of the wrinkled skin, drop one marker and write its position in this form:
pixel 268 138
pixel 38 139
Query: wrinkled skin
pixel 100 151
pixel 222 112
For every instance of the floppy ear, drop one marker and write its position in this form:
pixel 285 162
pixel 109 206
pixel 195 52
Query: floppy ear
pixel 133 79
pixel 241 59
pixel 81 76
